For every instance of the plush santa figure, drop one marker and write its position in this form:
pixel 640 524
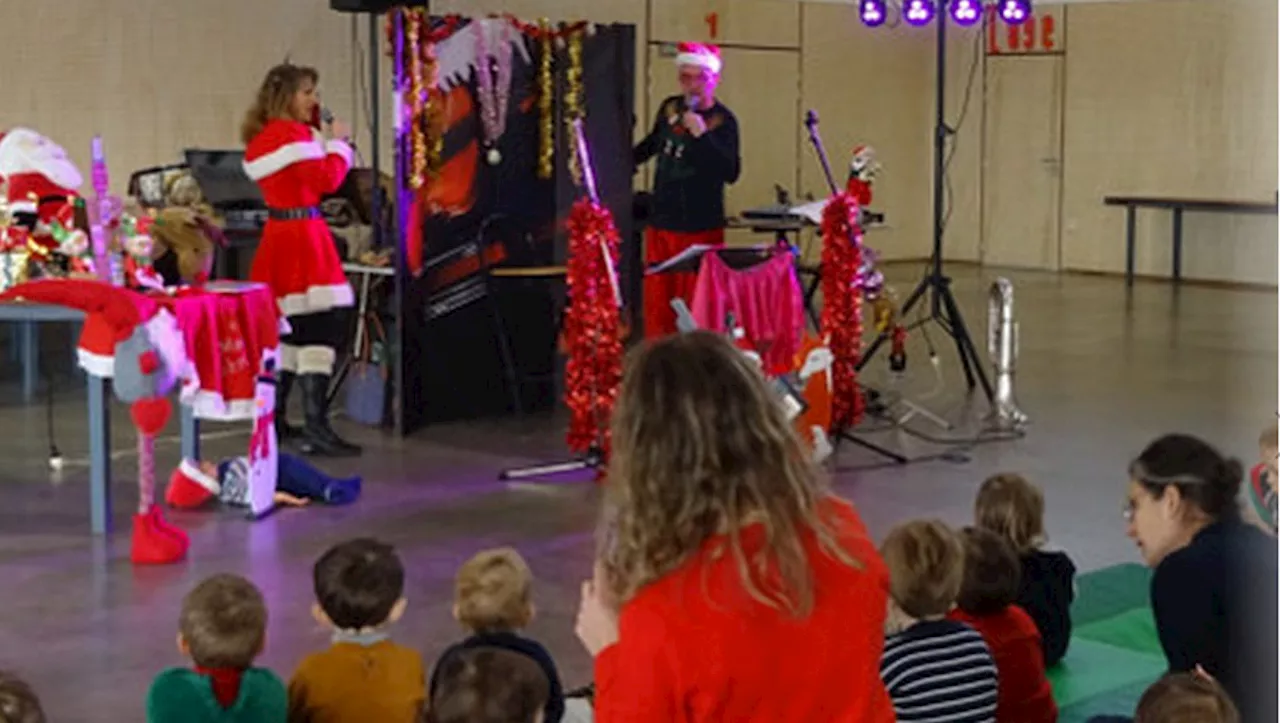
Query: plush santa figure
pixel 147 359
pixel 39 178
pixel 862 173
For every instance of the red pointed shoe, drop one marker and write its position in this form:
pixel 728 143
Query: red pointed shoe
pixel 165 527
pixel 153 544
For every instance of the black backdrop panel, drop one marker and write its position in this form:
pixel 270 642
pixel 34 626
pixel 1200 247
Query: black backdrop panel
pixel 504 215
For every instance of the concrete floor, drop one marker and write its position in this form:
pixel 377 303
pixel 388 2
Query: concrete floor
pixel 1102 371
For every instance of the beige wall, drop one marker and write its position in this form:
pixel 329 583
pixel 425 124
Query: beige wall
pixel 1176 97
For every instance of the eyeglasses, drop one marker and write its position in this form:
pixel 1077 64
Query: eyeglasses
pixel 1128 509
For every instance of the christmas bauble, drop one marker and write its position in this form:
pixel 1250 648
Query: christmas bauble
pixel 493 157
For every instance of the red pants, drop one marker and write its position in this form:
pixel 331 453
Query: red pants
pixel 660 289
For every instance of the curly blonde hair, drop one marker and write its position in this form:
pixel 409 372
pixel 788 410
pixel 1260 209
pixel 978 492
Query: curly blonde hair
pixel 275 97
pixel 701 448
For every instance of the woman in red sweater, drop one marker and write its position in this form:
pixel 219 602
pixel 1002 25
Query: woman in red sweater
pixel 730 585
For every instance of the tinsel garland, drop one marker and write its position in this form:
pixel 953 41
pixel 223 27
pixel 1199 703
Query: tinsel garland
pixel 494 92
pixel 417 137
pixel 573 109
pixel 546 96
pixel 592 326
pixel 842 305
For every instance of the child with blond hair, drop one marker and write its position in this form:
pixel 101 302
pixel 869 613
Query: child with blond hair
pixel 493 601
pixel 934 668
pixel 1264 482
pixel 18 702
pixel 1013 508
pixel 222 628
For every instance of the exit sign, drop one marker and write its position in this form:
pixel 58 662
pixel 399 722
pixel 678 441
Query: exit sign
pixel 1041 33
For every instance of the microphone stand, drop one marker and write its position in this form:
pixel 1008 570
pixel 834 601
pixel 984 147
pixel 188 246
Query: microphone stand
pixel 811 123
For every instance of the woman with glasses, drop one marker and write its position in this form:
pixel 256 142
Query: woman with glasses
pixel 1213 590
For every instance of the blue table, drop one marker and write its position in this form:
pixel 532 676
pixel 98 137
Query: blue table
pixel 99 413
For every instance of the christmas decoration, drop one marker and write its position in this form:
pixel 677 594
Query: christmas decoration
pixel 842 305
pixel 592 330
pixel 420 100
pixel 573 108
pixel 546 98
pixel 493 80
pixel 148 360
pixel 184 245
pixel 139 247
pixel 414 18
pixel 862 172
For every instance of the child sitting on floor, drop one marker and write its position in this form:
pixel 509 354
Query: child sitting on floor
pixel 18 702
pixel 222 629
pixel 1013 508
pixel 986 604
pixel 193 484
pixel 1186 698
pixel 933 668
pixel 1264 481
pixel 488 685
pixel 493 601
pixel 363 676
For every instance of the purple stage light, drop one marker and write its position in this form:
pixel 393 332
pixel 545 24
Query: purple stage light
pixel 918 12
pixel 966 12
pixel 1015 12
pixel 872 12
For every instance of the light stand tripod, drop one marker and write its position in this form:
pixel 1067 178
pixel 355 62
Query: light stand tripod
pixel 811 123
pixel 943 308
pixel 593 458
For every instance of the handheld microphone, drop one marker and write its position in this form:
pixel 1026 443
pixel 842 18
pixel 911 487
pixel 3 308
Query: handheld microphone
pixel 326 115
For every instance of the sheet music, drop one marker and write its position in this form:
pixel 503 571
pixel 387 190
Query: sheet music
pixel 811 211
pixel 693 252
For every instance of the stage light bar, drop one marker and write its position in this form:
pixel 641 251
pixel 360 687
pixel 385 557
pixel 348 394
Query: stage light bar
pixel 918 12
pixel 1014 12
pixel 872 12
pixel 966 12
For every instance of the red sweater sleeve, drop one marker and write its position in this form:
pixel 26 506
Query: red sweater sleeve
pixel 636 677
pixel 319 166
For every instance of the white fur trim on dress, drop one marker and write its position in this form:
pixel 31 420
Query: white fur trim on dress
pixel 16 157
pixel 209 405
pixel 99 366
pixel 317 298
pixel 288 357
pixel 23 207
pixel 339 147
pixel 700 60
pixel 281 158
pixel 316 360
pixel 192 471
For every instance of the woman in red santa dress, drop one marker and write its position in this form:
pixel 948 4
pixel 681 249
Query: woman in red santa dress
pixel 295 166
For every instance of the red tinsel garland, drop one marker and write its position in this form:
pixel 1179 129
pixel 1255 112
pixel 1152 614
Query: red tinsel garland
pixel 591 327
pixel 842 306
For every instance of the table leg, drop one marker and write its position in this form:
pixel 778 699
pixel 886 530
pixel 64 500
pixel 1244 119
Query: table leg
pixel 29 341
pixel 1177 245
pixel 190 433
pixel 1130 226
pixel 99 457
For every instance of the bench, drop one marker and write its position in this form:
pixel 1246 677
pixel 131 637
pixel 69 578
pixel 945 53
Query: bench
pixel 1177 206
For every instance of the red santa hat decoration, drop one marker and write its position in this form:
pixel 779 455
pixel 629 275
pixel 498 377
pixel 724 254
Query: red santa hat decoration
pixel 190 486
pixel 34 168
pixel 147 359
pixel 700 55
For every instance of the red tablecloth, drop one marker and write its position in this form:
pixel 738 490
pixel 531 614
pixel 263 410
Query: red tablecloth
pixel 228 329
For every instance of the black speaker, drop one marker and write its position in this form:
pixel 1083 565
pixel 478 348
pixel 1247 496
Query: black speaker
pixel 373 6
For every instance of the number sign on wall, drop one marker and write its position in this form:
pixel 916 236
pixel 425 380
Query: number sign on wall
pixel 1041 33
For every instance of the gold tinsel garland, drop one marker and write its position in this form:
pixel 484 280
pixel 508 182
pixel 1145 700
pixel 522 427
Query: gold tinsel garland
pixel 573 99
pixel 418 153
pixel 546 97
pixel 433 112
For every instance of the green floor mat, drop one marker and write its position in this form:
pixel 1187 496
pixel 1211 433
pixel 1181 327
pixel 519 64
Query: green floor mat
pixel 1091 669
pixel 1121 701
pixel 1109 592
pixel 1133 630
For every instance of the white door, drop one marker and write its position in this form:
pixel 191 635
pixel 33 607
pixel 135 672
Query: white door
pixel 1022 167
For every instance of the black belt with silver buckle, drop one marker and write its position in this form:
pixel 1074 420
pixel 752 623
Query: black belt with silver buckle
pixel 303 213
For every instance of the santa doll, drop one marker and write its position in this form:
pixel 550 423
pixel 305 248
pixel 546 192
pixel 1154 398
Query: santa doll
pixel 40 181
pixel 862 173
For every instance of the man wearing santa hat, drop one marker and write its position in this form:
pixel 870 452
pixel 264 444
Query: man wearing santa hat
pixel 39 178
pixel 695 139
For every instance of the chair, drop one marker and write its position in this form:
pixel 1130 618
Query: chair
pixel 507 235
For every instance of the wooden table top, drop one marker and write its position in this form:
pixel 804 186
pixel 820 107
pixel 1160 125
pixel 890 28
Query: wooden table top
pixel 1224 205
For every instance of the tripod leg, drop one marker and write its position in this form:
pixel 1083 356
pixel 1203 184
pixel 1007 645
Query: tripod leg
pixel 964 344
pixel 897 458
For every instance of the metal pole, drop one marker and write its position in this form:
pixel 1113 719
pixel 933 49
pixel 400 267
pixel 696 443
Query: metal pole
pixel 939 154
pixel 375 140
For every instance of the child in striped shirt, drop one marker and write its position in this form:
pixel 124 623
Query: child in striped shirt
pixel 935 669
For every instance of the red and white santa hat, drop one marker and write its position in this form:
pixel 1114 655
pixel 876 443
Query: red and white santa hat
pixel 700 55
pixel 34 167
pixel 189 486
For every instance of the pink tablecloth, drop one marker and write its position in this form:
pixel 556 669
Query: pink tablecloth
pixel 764 299
pixel 228 329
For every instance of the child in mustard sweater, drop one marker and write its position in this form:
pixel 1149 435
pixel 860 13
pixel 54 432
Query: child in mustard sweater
pixel 363 676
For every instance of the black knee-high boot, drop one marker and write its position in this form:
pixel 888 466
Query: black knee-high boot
pixel 284 384
pixel 317 437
